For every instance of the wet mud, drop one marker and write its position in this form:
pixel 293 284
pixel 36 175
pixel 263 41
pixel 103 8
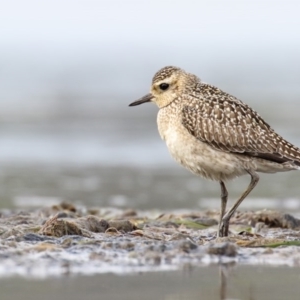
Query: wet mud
pixel 65 239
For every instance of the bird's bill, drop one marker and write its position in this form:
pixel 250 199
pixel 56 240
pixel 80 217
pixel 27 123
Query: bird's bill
pixel 146 98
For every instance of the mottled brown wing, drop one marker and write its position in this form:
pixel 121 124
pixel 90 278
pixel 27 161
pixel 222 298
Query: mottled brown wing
pixel 232 126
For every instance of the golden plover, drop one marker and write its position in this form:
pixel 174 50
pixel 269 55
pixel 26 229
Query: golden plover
pixel 215 135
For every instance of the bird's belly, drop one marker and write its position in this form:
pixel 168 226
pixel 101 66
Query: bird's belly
pixel 200 158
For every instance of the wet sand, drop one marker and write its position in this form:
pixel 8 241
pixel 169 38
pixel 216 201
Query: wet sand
pixel 145 187
pixel 65 240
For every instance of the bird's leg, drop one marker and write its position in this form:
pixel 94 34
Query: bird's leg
pixel 224 226
pixel 224 197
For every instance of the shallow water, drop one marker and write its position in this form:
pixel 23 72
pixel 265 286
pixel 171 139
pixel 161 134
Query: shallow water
pixel 214 282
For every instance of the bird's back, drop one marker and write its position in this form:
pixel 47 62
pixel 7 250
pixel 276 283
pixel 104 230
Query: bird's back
pixel 227 124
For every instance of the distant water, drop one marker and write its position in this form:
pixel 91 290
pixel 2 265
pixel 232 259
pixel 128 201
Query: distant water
pixel 117 136
pixel 119 159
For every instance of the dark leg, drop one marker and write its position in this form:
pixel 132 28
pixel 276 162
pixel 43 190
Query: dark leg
pixel 224 225
pixel 224 197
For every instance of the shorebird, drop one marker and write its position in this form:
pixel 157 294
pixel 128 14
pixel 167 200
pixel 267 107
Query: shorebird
pixel 215 135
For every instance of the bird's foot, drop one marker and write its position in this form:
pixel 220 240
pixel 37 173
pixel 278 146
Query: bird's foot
pixel 223 228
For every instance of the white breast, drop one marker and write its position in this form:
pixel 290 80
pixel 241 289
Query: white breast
pixel 195 155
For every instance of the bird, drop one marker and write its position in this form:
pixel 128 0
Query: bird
pixel 215 135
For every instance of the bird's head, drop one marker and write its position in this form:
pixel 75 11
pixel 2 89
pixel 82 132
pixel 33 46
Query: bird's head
pixel 167 84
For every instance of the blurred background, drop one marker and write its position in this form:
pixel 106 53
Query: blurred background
pixel 69 69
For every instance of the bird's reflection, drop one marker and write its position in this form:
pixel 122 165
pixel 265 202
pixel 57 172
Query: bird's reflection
pixel 225 271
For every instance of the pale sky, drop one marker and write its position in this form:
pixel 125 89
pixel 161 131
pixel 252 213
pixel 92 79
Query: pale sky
pixel 90 46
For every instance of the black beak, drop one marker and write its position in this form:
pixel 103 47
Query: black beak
pixel 142 100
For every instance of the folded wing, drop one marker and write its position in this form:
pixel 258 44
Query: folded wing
pixel 227 124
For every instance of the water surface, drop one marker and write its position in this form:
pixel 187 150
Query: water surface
pixel 242 282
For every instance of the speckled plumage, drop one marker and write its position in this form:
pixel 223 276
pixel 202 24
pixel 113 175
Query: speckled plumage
pixel 215 135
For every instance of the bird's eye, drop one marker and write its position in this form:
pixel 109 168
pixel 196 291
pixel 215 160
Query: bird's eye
pixel 164 86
